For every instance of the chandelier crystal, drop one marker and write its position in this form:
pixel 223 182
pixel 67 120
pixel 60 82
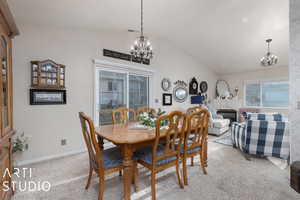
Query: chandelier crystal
pixel 142 47
pixel 269 59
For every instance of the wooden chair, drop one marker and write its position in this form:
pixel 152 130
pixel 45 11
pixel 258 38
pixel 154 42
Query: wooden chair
pixel 101 161
pixel 164 155
pixel 120 115
pixel 193 109
pixel 195 141
pixel 145 109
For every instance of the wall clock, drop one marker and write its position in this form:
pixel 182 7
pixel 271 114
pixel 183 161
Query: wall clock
pixel 203 87
pixel 193 87
pixel 165 84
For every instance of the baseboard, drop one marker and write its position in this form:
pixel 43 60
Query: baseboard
pixel 47 158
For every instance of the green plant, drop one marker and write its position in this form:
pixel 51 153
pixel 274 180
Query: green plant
pixel 149 119
pixel 20 143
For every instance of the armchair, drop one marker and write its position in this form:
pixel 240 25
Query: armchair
pixel 263 134
pixel 217 124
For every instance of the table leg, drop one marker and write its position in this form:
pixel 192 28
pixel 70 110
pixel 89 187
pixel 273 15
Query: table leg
pixel 128 168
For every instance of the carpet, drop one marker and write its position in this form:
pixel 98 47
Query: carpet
pixel 226 140
pixel 230 177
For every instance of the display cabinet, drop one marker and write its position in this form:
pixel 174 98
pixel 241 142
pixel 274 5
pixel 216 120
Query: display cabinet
pixel 47 74
pixel 8 30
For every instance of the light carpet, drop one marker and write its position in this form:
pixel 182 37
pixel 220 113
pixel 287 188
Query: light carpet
pixel 230 177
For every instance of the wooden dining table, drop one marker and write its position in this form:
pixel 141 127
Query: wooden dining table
pixel 129 138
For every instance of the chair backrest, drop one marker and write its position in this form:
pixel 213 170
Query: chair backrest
pixel 193 109
pixel 197 129
pixel 94 150
pixel 120 115
pixel 172 135
pixel 266 116
pixel 145 109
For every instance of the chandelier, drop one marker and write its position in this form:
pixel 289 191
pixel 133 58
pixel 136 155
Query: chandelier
pixel 142 47
pixel 269 59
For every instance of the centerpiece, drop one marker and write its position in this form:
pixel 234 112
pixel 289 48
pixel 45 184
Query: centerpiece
pixel 148 119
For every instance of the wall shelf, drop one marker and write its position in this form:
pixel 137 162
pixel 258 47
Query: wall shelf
pixel 47 74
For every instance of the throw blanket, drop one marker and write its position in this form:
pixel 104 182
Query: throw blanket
pixel 261 137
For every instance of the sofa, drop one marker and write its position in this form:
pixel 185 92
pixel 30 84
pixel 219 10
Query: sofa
pixel 262 134
pixel 217 124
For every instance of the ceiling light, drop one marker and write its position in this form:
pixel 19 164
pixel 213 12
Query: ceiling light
pixel 269 59
pixel 142 47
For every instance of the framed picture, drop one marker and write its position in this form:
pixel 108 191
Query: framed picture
pixel 47 97
pixel 167 99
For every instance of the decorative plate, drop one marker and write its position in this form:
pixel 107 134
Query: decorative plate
pixel 203 87
pixel 165 84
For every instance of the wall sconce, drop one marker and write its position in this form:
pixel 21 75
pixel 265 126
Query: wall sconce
pixel 234 94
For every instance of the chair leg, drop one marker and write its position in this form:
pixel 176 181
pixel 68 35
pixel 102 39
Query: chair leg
pixel 153 182
pixel 202 155
pixel 89 178
pixel 184 168
pixel 135 177
pixel 178 174
pixel 101 187
pixel 192 161
pixel 205 155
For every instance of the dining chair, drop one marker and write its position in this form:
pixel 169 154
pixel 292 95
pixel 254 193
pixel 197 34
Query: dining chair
pixel 120 115
pixel 195 141
pixel 123 115
pixel 101 161
pixel 145 109
pixel 193 109
pixel 164 155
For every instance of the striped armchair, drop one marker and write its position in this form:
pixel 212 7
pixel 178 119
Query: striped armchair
pixel 263 134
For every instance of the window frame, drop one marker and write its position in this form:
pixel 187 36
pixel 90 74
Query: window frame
pixel 103 65
pixel 260 82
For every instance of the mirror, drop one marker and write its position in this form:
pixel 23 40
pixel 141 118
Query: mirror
pixel 180 94
pixel 223 90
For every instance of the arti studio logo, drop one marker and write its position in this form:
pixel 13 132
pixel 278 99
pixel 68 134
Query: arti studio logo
pixel 25 182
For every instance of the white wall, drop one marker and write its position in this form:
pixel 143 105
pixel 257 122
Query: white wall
pixel 295 78
pixel 272 73
pixel 47 125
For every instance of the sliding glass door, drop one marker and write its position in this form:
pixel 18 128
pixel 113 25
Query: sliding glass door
pixel 112 94
pixel 138 91
pixel 116 89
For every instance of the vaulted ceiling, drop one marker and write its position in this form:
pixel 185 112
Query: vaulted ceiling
pixel 225 35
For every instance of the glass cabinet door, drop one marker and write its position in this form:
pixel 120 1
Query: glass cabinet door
pixel 5 83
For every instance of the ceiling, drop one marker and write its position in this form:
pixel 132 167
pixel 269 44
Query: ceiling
pixel 227 36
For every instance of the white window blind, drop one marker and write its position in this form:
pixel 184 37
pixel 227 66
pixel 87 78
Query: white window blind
pixel 267 94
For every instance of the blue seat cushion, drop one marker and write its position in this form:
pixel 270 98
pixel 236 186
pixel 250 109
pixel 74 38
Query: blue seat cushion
pixel 193 150
pixel 112 157
pixel 145 154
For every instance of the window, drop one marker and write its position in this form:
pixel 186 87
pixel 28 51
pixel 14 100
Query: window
pixel 116 88
pixel 267 94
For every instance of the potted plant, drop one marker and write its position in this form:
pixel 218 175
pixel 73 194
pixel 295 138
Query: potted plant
pixel 20 144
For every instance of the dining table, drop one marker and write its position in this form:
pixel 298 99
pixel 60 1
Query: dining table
pixel 129 137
